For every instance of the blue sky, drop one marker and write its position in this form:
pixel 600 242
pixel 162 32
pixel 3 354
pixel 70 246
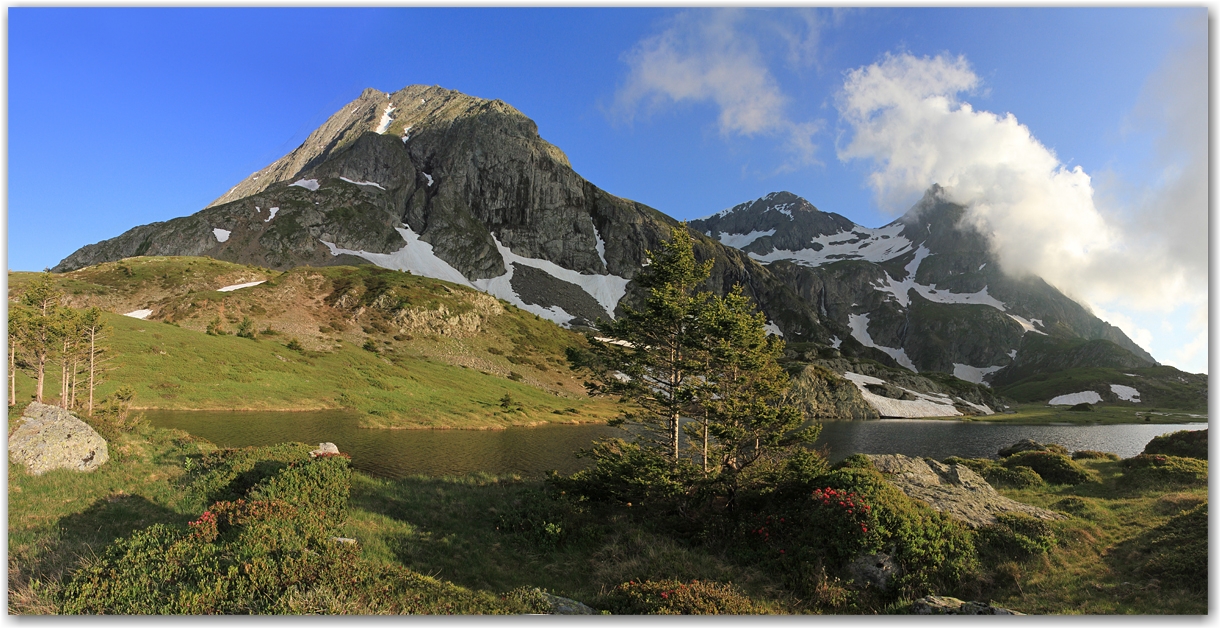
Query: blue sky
pixel 119 117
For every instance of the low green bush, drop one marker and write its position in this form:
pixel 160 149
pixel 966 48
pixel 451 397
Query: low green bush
pixel 856 512
pixel 1184 443
pixel 1157 471
pixel 274 550
pixel 1054 468
pixel 1031 445
pixel 998 475
pixel 674 597
pixel 1090 454
pixel 628 473
pixel 1079 506
pixel 1016 535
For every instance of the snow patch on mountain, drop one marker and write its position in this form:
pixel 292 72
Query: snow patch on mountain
pixel 1072 399
pixel 601 247
pixel 308 184
pixel 773 328
pixel 607 290
pixel 874 245
pixel 741 240
pixel 1126 393
pixel 922 406
pixel 370 183
pixel 1027 325
pixel 859 330
pixel 222 235
pixel 973 373
pixel 239 286
pixel 429 178
pixel 502 287
pixel 417 257
pixel 140 314
pixel 384 124
pixel 273 210
pixel 835 341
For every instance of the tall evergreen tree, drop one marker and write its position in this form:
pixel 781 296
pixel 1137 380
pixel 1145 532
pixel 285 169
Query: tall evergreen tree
pixel 653 356
pixel 39 335
pixel 94 332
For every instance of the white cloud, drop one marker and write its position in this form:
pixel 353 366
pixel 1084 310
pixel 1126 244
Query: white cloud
pixel 721 57
pixel 904 115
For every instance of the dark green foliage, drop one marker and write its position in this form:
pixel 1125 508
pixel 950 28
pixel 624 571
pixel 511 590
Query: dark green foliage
pixel 1079 507
pixel 215 328
pixel 854 512
pixel 1016 535
pixel 1156 471
pixel 1032 445
pixel 674 597
pixel 1184 443
pixel 370 345
pixel 1081 407
pixel 272 551
pixel 1089 454
pixel 1054 468
pixel 855 461
pixel 1175 553
pixel 245 329
pixel 629 473
pixel 295 345
pixel 999 475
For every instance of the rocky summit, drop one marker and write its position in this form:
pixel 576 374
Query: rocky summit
pixel 437 183
pixel 924 292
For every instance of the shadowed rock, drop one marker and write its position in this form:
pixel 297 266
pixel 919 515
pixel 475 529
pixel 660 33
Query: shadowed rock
pixel 952 489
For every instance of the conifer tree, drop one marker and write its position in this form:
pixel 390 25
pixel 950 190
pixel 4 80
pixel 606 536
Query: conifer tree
pixel 39 334
pixel 652 356
pixel 94 332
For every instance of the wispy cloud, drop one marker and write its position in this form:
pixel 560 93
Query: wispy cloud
pixel 905 115
pixel 723 57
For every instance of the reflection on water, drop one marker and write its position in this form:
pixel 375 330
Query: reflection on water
pixel 532 451
pixel 399 453
pixel 941 439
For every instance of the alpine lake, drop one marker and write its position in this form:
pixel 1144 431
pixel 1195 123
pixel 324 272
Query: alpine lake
pixel 533 451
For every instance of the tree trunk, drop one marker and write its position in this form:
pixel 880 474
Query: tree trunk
pixel 705 445
pixel 92 365
pixel 12 372
pixel 42 376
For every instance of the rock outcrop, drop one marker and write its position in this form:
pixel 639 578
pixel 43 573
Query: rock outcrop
pixel 952 489
pixel 942 605
pixel 51 438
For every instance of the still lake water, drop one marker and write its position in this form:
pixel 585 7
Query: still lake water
pixel 532 451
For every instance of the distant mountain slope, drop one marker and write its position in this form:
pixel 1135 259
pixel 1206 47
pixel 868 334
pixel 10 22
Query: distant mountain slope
pixel 923 292
pixel 448 186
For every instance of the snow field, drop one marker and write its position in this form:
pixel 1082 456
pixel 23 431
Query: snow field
pixel 973 373
pixel 739 240
pixel 384 124
pixel 308 184
pixel 1072 399
pixel 239 286
pixel 222 235
pixel 859 331
pixel 370 183
pixel 1126 393
pixel 272 215
pixel 924 406
pixel 140 314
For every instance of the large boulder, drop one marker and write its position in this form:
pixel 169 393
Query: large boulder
pixel 953 489
pixel 51 438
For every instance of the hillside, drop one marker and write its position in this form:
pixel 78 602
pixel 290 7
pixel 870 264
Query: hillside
pixel 395 349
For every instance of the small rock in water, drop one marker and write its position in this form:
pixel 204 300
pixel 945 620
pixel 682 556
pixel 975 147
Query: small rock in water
pixel 324 449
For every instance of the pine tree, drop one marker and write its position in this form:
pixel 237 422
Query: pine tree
pixel 744 402
pixel 39 336
pixel 94 332
pixel 653 356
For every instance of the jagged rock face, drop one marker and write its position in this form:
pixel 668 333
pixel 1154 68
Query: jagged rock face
pixel 952 489
pixel 923 292
pixel 449 186
pixel 51 438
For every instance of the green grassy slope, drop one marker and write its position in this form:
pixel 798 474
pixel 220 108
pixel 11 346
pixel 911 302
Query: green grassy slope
pixel 401 350
pixel 1159 386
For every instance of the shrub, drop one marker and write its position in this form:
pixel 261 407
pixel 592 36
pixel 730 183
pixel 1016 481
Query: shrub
pixel 270 551
pixel 997 475
pixel 855 512
pixel 245 329
pixel 855 461
pixel 369 345
pixel 1089 454
pixel 1054 468
pixel 674 597
pixel 1184 443
pixel 1079 507
pixel 1158 471
pixel 1017 476
pixel 628 473
pixel 294 345
pixel 215 328
pixel 1031 445
pixel 1016 535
